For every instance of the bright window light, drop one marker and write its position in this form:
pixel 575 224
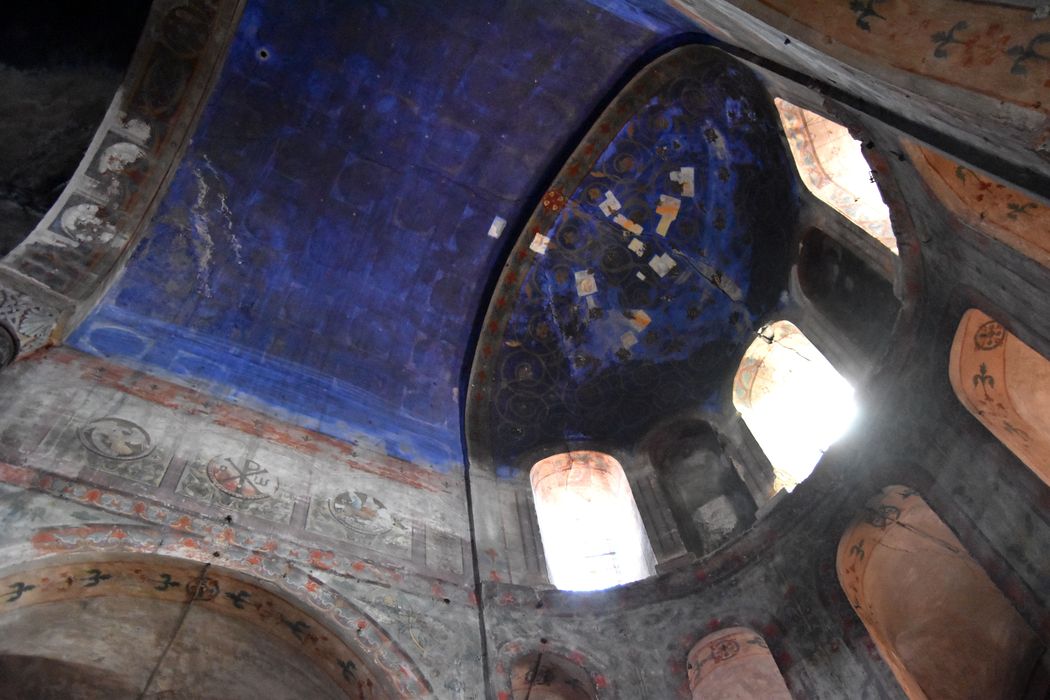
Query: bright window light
pixel 592 534
pixel 832 165
pixel 793 401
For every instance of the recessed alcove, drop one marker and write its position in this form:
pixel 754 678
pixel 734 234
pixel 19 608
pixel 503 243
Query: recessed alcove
pixel 548 676
pixel 707 497
pixel 936 618
pixel 734 664
pixel 148 626
pixel 857 300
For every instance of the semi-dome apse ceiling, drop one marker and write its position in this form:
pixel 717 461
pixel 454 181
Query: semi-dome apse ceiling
pixel 322 252
pixel 643 273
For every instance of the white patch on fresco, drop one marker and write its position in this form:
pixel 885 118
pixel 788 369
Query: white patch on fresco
pixel 118 157
pixel 662 264
pixel 610 204
pixel 539 244
pixel 627 225
pixel 668 211
pixel 685 177
pixel 497 226
pixel 136 128
pixel 585 283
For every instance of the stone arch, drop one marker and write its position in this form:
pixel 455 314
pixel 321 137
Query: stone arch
pixel 133 571
pixel 939 622
pixel 53 277
pixel 515 658
pixel 734 664
pixel 1005 385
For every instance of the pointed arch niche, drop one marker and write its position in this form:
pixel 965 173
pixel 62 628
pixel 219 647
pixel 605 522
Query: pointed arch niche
pixel 592 533
pixel 833 167
pixel 937 619
pixel 792 399
pixel 1006 385
pixel 546 676
pixel 734 664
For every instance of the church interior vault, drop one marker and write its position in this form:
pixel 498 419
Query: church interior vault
pixel 586 349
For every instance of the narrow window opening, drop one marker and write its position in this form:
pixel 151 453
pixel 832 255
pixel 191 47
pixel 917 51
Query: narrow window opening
pixel 1006 385
pixel 592 533
pixel 793 400
pixel 832 165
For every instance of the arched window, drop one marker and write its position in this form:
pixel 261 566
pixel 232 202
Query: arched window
pixel 549 676
pixel 734 664
pixel 793 401
pixel 937 619
pixel 832 165
pixel 592 534
pixel 1006 385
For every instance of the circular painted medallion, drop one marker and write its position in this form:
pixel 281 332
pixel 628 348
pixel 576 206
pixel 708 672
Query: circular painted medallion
pixel 247 481
pixel 361 512
pixel 989 336
pixel 724 649
pixel 116 438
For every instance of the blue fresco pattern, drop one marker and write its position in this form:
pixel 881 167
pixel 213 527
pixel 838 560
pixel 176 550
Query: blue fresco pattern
pixel 620 322
pixel 321 254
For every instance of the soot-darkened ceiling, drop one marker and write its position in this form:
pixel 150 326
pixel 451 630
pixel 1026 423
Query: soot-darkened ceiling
pixel 635 287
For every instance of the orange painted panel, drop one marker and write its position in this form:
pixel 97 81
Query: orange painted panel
pixel 986 205
pixel 992 50
pixel 1006 385
pixel 734 664
pixel 940 623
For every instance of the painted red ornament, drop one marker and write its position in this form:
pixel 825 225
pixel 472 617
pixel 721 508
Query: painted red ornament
pixel 554 200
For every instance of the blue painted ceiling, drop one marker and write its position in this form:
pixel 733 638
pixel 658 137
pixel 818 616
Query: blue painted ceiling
pixel 631 294
pixel 322 253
